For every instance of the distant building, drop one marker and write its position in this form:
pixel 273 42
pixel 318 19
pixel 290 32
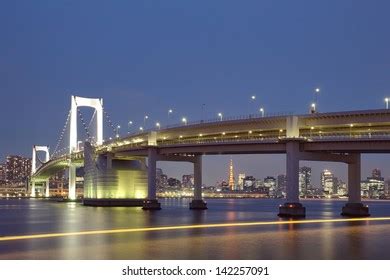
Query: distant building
pixel 249 183
pixel 240 185
pixel 387 187
pixel 270 183
pixel 18 169
pixel 281 185
pixel 231 176
pixel 304 180
pixel 3 173
pixel 374 186
pixel 159 173
pixel 173 182
pixel 376 173
pixel 187 181
pixel 327 182
pixel 164 180
pixel 341 188
pixel 57 184
pixel 259 183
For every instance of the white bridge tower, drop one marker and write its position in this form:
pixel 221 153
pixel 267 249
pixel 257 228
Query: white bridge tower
pixel 97 104
pixel 34 166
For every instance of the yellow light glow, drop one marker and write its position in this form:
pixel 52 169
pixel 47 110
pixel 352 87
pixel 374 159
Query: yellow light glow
pixel 184 227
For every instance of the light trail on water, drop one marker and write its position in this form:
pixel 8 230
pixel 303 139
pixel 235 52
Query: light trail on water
pixel 184 227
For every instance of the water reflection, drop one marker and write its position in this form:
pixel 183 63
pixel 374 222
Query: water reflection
pixel 346 240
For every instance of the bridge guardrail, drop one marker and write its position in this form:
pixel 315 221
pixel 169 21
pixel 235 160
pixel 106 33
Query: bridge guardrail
pixel 213 120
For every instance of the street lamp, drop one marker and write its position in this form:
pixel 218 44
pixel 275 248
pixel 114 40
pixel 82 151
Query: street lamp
pixel 316 93
pixel 145 118
pixel 141 128
pixel 313 108
pixel 158 125
pixel 220 116
pixel 129 124
pixel 262 112
pixel 184 120
pixel 387 102
pixel 253 98
pixel 170 111
pixel 117 131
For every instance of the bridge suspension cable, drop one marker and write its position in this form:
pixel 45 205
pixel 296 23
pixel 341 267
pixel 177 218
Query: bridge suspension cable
pixel 84 124
pixel 92 119
pixel 110 123
pixel 61 138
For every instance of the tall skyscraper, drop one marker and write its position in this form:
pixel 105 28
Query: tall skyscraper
pixel 304 180
pixel 231 176
pixel 376 173
pixel 327 182
pixel 281 185
pixel 374 186
pixel 240 184
pixel 270 183
pixel 3 173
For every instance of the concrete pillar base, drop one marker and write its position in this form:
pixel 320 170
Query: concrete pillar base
pixel 198 204
pixel 151 204
pixel 292 210
pixel 355 210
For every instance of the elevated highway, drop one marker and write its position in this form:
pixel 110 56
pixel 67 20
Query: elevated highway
pixel 337 136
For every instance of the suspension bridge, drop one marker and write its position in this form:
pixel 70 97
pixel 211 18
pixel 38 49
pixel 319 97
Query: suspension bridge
pixel 122 170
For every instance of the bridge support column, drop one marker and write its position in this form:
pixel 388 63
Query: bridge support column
pixel 354 207
pixel 198 203
pixel 292 207
pixel 47 184
pixel 72 182
pixel 151 202
pixel 33 189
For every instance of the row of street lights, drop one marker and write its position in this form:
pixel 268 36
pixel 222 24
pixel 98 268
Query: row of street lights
pixel 170 112
pixel 313 109
pixel 314 105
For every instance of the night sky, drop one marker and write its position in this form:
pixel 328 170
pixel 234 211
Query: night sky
pixel 144 57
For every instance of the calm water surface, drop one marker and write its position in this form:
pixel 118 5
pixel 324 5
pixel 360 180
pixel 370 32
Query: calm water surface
pixel 345 240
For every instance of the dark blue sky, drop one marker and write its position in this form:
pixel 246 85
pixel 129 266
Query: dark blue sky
pixel 143 57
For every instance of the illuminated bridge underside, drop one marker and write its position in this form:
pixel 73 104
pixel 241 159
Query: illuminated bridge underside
pixel 52 167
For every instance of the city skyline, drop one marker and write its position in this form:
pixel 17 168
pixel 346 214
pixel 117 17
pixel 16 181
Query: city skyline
pixel 317 168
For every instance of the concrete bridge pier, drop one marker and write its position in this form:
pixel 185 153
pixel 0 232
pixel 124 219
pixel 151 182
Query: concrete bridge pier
pixel 47 184
pixel 292 208
pixel 32 189
pixel 354 207
pixel 72 182
pixel 198 203
pixel 151 202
